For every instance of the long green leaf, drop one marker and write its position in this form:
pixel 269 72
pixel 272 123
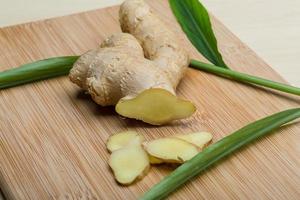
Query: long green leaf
pixel 38 70
pixel 195 22
pixel 245 78
pixel 219 150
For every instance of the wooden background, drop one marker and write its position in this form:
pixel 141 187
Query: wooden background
pixel 52 136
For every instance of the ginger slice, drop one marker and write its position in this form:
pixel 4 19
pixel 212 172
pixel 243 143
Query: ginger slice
pixel 200 139
pixel 155 106
pixel 129 164
pixel 122 139
pixel 153 160
pixel 171 150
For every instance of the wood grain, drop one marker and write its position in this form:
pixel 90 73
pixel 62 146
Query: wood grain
pixel 52 136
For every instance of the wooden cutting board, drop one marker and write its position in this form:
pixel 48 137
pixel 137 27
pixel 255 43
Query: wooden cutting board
pixel 52 135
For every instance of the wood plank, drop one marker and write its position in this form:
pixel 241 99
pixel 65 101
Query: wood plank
pixel 52 136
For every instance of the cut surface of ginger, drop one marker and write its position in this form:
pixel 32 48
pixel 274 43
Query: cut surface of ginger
pixel 155 106
pixel 129 164
pixel 200 139
pixel 171 150
pixel 123 139
pixel 153 160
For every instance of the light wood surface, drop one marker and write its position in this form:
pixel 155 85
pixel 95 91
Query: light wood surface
pixel 52 136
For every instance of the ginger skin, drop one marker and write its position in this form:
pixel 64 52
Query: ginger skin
pixel 117 73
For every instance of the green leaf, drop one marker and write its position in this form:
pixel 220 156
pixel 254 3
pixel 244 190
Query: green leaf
pixel 195 22
pixel 35 71
pixel 245 78
pixel 219 150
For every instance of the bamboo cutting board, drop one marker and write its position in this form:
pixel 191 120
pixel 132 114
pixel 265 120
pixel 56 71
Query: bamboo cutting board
pixel 52 135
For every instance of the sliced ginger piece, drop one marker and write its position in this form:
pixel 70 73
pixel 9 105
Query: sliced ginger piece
pixel 153 160
pixel 171 150
pixel 155 106
pixel 122 139
pixel 200 139
pixel 129 164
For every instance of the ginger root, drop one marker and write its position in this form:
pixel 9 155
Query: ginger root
pixel 200 139
pixel 154 161
pixel 130 161
pixel 129 164
pixel 120 140
pixel 117 73
pixel 171 150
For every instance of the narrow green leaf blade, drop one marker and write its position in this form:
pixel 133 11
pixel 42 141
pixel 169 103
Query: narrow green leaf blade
pixel 195 22
pixel 35 71
pixel 245 78
pixel 219 150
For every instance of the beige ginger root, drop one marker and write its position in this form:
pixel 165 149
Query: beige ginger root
pixel 154 161
pixel 200 139
pixel 128 160
pixel 120 140
pixel 117 73
pixel 129 164
pixel 171 150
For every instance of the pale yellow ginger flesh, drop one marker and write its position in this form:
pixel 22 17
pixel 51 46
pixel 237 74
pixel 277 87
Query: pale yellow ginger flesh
pixel 129 164
pixel 155 106
pixel 120 140
pixel 123 139
pixel 171 150
pixel 117 73
pixel 130 161
pixel 200 139
pixel 153 160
